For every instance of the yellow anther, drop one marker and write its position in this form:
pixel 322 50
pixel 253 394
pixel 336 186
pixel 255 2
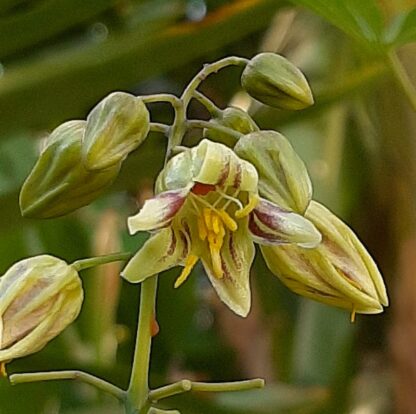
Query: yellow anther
pixel 202 230
pixel 191 261
pixel 354 311
pixel 216 261
pixel 216 223
pixel 207 212
pixel 227 220
pixel 253 200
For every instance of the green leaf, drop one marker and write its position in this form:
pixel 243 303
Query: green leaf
pixel 402 29
pixel 360 19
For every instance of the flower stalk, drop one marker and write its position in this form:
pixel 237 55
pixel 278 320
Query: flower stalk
pixel 83 264
pixel 138 391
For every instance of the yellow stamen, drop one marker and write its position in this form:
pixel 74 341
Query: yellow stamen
pixel 191 261
pixel 353 314
pixel 227 220
pixel 253 200
pixel 207 212
pixel 216 261
pixel 3 371
pixel 216 223
pixel 202 230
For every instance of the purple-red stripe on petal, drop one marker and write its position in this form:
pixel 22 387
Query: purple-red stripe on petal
pixel 158 211
pixel 258 232
pixel 237 178
pixel 225 172
pixel 174 201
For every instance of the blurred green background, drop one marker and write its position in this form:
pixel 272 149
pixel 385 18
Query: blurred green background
pixel 59 57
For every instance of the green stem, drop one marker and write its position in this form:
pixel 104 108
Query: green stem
pixel 402 78
pixel 208 104
pixel 179 124
pixel 138 391
pixel 160 97
pixel 169 390
pixel 69 375
pixel 186 385
pixel 228 386
pixel 197 123
pixel 82 264
pixel 155 410
pixel 158 127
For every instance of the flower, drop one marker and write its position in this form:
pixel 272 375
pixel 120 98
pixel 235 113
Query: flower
pixel 39 298
pixel 59 183
pixel 274 81
pixel 115 127
pixel 339 272
pixel 207 207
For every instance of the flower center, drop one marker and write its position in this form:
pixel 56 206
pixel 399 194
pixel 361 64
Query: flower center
pixel 213 222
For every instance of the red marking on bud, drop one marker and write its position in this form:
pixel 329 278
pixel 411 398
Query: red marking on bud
pixel 202 189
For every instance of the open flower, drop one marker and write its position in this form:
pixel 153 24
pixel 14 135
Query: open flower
pixel 207 207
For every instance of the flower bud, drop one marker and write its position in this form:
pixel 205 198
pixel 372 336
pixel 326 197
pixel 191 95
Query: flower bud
pixel 234 118
pixel 339 272
pixel 283 178
pixel 274 81
pixel 115 127
pixel 59 183
pixel 39 298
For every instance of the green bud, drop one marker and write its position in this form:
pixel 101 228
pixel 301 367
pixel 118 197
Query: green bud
pixel 59 183
pixel 339 272
pixel 234 118
pixel 283 178
pixel 115 127
pixel 39 298
pixel 274 81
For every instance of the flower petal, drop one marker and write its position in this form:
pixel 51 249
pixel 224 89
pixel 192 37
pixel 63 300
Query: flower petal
pixel 166 249
pixel 216 164
pixel 283 178
pixel 270 225
pixel 158 211
pixel 237 255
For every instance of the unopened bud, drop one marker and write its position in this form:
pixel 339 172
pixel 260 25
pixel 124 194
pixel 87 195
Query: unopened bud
pixel 234 118
pixel 339 272
pixel 39 298
pixel 59 183
pixel 115 127
pixel 283 178
pixel 274 81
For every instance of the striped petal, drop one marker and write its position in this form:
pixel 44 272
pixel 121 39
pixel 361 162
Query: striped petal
pixel 164 250
pixel 270 225
pixel 237 256
pixel 158 211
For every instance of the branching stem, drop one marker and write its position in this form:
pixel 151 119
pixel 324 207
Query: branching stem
pixel 69 375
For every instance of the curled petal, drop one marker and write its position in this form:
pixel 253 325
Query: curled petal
pixel 217 164
pixel 164 250
pixel 236 257
pixel 270 225
pixel 158 211
pixel 208 163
